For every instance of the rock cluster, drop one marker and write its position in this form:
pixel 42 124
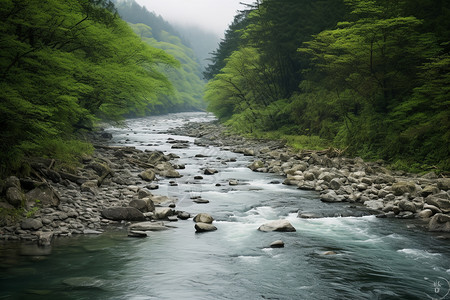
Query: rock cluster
pixel 113 186
pixel 339 179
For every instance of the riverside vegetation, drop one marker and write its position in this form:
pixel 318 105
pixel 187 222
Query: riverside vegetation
pixel 370 77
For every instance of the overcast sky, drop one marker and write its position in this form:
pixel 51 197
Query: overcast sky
pixel 211 15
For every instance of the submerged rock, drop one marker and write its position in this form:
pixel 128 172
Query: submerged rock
pixel 277 244
pixel 277 225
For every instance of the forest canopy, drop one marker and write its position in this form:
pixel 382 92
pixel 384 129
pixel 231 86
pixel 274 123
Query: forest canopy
pixel 66 64
pixel 368 76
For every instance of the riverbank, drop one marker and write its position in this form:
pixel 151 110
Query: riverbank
pixel 110 188
pixel 118 185
pixel 387 193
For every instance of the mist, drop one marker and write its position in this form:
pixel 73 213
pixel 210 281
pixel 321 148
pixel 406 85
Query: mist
pixel 209 15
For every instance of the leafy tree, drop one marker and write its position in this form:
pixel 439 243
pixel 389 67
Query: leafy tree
pixel 64 64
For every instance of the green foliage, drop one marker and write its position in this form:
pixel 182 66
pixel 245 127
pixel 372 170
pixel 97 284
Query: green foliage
pixel 63 65
pixel 374 81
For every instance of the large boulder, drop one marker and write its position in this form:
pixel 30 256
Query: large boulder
pixel 12 181
pixel 403 187
pixel 406 205
pixel 442 203
pixel 162 213
pixel 203 218
pixel 123 213
pixel 444 184
pixel 204 227
pixel 14 196
pixel 143 205
pixel 31 224
pixel 147 175
pixel 439 222
pixel 45 195
pixel 277 225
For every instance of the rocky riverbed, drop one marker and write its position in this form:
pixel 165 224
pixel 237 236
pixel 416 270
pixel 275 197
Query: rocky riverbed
pixel 386 193
pixel 119 185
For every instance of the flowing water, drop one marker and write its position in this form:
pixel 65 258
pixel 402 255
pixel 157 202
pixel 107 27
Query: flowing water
pixel 374 258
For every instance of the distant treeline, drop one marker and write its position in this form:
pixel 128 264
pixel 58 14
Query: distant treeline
pixel 369 76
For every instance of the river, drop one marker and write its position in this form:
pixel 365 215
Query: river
pixel 371 258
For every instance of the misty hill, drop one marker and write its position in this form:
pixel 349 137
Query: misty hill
pixel 155 31
pixel 202 42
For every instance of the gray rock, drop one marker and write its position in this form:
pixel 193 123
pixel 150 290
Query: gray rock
pixel 309 176
pixel 233 182
pixel 433 208
pixel 44 194
pixel 171 173
pixel 277 244
pixel 429 190
pixel 403 187
pixel 441 203
pixel 444 184
pixel 183 215
pixel 14 196
pixel 147 175
pixel 203 218
pixel 256 165
pixel 137 234
pixel 162 213
pixel 90 186
pixel 249 152
pixel 45 238
pixel 331 196
pixel 426 213
pixel 200 201
pixel 431 175
pixel 406 205
pixel 143 205
pixel 277 225
pixel 374 204
pixel 366 180
pixel 123 213
pixel 204 227
pixel 143 193
pixel 439 222
pixel 209 171
pixel 148 226
pixel 335 184
pixel 31 224
pixel 387 179
pixel 12 181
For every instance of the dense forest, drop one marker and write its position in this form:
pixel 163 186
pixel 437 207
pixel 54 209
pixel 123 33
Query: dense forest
pixel 370 77
pixel 187 80
pixel 65 65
